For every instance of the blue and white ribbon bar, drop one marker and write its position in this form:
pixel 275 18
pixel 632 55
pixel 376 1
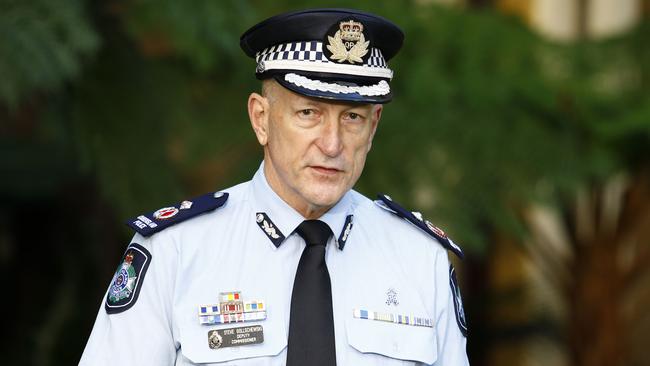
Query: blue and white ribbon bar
pixel 213 309
pixel 406 319
pixel 232 318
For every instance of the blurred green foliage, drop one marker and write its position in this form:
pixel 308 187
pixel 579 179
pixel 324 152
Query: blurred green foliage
pixel 42 45
pixel 147 101
pixel 487 115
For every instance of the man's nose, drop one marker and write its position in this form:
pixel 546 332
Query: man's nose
pixel 330 141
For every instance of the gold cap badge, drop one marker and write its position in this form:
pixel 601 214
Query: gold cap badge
pixel 348 44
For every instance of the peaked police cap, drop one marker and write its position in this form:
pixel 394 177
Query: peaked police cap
pixel 338 54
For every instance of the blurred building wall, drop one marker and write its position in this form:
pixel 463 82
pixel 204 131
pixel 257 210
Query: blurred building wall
pixel 567 20
pixel 607 17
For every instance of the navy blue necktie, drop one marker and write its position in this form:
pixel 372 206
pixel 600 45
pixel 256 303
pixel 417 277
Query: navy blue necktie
pixel 311 326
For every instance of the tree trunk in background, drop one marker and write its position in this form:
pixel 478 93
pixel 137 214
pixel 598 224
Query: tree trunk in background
pixel 612 246
pixel 581 281
pixel 595 295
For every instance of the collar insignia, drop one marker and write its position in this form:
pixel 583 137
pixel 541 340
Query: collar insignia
pixel 268 227
pixel 345 233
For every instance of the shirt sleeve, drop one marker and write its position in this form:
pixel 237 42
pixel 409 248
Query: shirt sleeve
pixel 141 332
pixel 451 325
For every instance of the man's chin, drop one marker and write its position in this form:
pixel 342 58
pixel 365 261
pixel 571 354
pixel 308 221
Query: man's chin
pixel 325 196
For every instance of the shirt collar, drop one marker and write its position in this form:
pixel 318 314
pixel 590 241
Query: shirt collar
pixel 278 220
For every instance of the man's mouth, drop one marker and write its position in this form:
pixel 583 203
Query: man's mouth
pixel 325 170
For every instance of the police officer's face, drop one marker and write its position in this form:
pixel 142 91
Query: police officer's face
pixel 314 150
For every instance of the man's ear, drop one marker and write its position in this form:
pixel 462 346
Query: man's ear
pixel 258 113
pixel 374 121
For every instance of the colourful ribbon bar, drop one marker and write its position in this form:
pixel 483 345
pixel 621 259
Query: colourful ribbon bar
pixel 232 318
pixel 406 319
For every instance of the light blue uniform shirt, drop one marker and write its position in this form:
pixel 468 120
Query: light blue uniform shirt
pixel 385 266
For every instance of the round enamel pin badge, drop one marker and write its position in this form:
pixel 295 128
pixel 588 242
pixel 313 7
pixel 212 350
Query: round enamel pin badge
pixel 436 229
pixel 165 213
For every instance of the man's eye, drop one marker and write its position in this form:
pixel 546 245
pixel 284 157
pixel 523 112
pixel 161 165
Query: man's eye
pixel 353 116
pixel 307 112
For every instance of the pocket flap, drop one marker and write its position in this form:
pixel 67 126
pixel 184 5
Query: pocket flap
pixel 404 342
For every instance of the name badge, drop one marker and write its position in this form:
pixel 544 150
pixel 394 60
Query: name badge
pixel 221 338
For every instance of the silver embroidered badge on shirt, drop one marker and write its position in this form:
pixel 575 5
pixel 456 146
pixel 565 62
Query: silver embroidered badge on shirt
pixel 391 297
pixel 269 229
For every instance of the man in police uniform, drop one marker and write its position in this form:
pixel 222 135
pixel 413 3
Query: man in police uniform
pixel 293 267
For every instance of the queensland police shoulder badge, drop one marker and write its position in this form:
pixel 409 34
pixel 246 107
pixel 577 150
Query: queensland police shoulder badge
pixel 348 44
pixel 128 278
pixel 458 301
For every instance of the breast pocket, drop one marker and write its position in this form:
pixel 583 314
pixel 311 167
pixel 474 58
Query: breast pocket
pixel 392 343
pixel 202 345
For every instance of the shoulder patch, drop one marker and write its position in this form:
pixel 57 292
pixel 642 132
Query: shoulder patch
pixel 128 279
pixel 415 218
pixel 149 224
pixel 458 301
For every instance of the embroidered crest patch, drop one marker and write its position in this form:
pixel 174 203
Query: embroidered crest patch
pixel 458 301
pixel 128 279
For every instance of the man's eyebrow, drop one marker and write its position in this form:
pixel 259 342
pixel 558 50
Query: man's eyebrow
pixel 365 107
pixel 306 102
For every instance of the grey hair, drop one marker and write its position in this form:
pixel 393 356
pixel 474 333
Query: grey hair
pixel 268 89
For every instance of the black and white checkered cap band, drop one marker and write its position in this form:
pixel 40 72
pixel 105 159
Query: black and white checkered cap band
pixel 309 56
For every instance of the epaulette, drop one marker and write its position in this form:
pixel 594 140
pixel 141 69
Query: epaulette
pixel 415 218
pixel 165 217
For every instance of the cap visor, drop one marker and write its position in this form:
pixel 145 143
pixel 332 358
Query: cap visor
pixel 354 97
